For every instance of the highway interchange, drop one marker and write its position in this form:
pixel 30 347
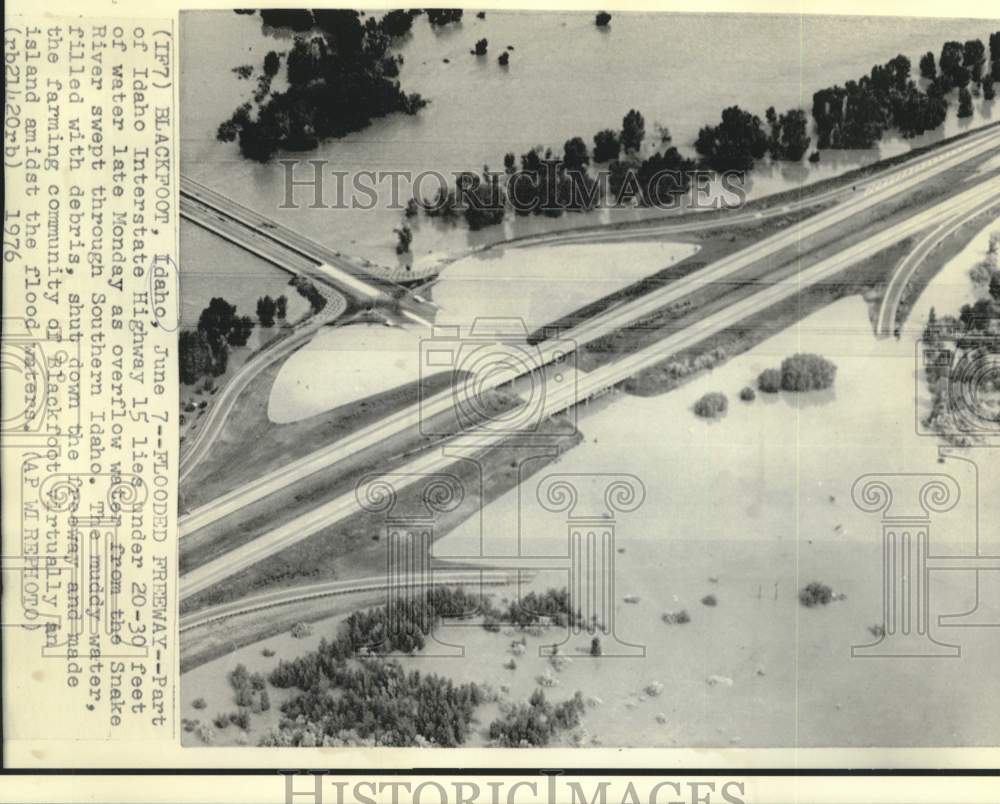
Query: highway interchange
pixel 862 202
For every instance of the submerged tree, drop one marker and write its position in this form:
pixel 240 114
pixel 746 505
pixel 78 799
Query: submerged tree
pixel 735 144
pixel 633 131
pixel 789 139
pixel 607 145
pixel 928 66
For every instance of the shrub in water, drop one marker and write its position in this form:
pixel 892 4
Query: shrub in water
pixel 712 405
pixel 769 381
pixel 807 372
pixel 815 594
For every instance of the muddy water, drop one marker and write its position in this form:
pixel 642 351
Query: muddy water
pixel 566 78
pixel 749 509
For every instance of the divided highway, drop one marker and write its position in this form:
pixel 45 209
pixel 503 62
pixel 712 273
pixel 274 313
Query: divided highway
pixel 607 376
pixel 291 250
pixel 880 189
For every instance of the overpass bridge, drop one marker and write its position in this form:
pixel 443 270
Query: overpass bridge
pixel 365 284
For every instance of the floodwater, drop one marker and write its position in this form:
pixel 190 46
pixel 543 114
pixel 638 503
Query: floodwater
pixel 566 78
pixel 342 365
pixel 532 286
pixel 541 285
pixel 749 509
pixel 211 266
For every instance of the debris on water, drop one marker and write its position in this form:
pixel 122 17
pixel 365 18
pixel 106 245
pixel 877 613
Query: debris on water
pixel 630 704
pixel 719 681
pixel 505 689
pixel 735 740
pixel 709 600
pixel 654 689
pixel 676 617
pixel 621 549
pixel 760 671
pixel 518 648
pixel 661 718
pixel 877 630
pixel 713 578
pixel 833 499
pixel 593 701
pixel 510 664
pixel 559 661
pixel 546 679
pixel 631 598
pixel 838 528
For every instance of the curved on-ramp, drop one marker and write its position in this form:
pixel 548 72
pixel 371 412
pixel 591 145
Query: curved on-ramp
pixel 886 325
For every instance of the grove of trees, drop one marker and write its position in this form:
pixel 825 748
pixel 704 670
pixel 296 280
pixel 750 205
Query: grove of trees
pixel 735 144
pixel 339 80
pixel 204 351
pixel 378 703
pixel 535 723
pixel 807 372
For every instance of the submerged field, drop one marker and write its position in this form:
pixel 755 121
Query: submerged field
pixel 750 508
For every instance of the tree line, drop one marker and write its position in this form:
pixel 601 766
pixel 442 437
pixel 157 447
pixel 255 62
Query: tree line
pixel 855 115
pixel 204 351
pixel 378 703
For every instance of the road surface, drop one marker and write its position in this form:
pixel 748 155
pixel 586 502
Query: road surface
pixel 300 594
pixel 196 445
pixel 885 326
pixel 883 189
pixel 591 384
pixel 272 240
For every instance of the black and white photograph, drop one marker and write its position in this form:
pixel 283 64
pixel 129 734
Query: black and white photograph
pixel 572 379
